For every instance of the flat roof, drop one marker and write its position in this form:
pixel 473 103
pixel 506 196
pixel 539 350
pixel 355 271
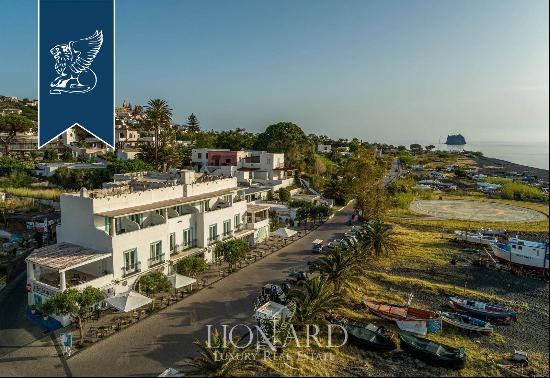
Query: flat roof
pixel 63 256
pixel 161 204
pixel 252 190
pixel 256 208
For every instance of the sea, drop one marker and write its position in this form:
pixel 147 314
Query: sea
pixel 530 154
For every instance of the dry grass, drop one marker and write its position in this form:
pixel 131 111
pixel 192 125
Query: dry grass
pixel 434 288
pixel 314 361
pixel 50 194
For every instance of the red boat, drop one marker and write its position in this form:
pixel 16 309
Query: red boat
pixel 399 313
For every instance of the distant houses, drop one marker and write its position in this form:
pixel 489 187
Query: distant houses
pixel 248 167
pixel 324 148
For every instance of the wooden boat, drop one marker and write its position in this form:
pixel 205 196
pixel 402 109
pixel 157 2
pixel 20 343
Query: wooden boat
pixel 370 337
pixel 483 309
pixel 407 318
pixel 399 313
pixel 466 322
pixel 433 353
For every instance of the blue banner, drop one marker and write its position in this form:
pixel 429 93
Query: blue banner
pixel 76 68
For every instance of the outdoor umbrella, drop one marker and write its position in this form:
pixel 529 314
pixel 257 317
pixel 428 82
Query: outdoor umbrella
pixel 128 301
pixel 284 232
pixel 171 372
pixel 178 281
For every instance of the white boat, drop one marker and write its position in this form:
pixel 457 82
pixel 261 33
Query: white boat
pixel 523 252
pixel 475 237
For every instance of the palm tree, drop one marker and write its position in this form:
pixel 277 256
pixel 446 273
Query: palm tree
pixel 340 266
pixel 315 300
pixel 377 238
pixel 215 360
pixel 159 116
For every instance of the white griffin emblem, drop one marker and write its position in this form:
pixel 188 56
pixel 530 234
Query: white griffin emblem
pixel 72 63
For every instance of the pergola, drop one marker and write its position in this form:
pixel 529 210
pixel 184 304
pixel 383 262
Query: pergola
pixel 61 258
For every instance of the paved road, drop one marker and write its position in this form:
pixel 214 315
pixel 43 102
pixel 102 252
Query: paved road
pixel 164 339
pixel 15 329
pixel 396 170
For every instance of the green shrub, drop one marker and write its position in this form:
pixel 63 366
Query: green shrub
pixel 402 200
pixel 515 190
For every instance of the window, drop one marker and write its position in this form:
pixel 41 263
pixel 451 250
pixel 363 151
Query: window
pixel 212 233
pixel 107 226
pixel 199 155
pixel 237 221
pixel 227 227
pixel 156 250
pixel 173 242
pixel 188 238
pixel 130 261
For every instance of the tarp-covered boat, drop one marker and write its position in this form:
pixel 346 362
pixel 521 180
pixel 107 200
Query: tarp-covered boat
pixel 433 353
pixel 370 337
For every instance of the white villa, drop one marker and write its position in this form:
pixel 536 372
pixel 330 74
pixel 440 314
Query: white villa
pixel 138 223
pixel 248 167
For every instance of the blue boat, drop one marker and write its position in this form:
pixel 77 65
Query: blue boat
pixel 483 309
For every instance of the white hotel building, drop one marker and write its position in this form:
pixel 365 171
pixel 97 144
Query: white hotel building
pixel 139 223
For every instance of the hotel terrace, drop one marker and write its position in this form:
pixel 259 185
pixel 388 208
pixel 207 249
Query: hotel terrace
pixel 138 223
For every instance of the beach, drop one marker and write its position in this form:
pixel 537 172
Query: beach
pixel 493 165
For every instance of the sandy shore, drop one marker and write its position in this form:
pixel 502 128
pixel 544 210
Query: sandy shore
pixel 492 165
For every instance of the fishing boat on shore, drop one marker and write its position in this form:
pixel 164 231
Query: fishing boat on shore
pixel 407 318
pixel 432 352
pixel 466 322
pixel 524 253
pixel 370 337
pixel 485 310
pixel 475 237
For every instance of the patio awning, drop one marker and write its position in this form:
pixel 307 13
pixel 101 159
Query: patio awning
pixel 284 233
pixel 171 372
pixel 128 301
pixel 179 281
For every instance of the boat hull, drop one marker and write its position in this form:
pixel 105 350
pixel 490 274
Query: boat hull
pixel 487 311
pixel 485 329
pixel 382 343
pixel 522 259
pixel 456 362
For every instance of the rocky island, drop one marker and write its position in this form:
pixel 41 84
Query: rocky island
pixel 455 140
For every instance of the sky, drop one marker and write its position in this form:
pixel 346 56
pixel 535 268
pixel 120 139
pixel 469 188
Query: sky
pixel 387 71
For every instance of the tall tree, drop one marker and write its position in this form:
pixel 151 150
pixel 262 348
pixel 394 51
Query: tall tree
pixel 10 125
pixel 159 117
pixel 193 124
pixel 363 178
